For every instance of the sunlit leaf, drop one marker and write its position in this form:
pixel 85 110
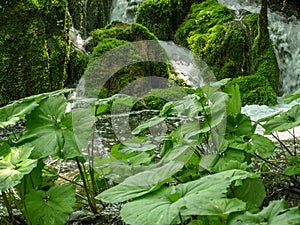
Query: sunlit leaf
pixel 163 206
pixel 234 104
pixel 288 98
pixel 12 113
pixel 53 132
pixel 292 170
pixel 276 213
pixel 262 145
pixel 141 183
pixel 149 123
pixel 51 207
pixel 15 165
pixel 284 121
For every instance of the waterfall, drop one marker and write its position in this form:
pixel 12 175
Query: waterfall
pixel 285 34
pixel 124 10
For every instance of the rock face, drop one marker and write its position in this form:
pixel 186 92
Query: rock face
pixel 88 15
pixel 234 46
pixel 34 47
pixel 288 7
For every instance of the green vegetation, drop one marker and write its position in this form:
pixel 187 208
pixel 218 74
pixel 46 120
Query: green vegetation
pixel 117 37
pixel 163 17
pixel 232 48
pixel 93 15
pixel 34 48
pixel 255 89
pixel 202 171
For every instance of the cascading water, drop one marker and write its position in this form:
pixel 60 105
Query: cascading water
pixel 124 10
pixel 285 34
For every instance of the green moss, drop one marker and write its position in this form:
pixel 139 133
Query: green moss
pixel 203 16
pixel 111 37
pixel 162 17
pixel 94 14
pixel 34 47
pixel 224 48
pixel 231 48
pixel 76 66
pixel 255 89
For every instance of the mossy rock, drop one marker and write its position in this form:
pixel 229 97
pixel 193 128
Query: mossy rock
pixel 230 47
pixel 255 89
pixel 163 17
pixel 34 47
pixel 93 15
pixel 76 67
pixel 202 17
pixel 104 73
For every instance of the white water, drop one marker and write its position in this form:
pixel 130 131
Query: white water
pixel 124 10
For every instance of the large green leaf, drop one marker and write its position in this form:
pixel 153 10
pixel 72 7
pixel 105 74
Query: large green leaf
pixel 15 165
pixel 54 132
pixel 262 145
pixel 141 183
pixel 234 104
pixel 288 98
pixel 251 191
pixel 198 197
pixel 284 121
pixel 51 207
pixel 276 213
pixel 12 113
pixel 149 123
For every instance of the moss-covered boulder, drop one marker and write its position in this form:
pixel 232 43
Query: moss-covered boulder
pixel 163 17
pixel 255 89
pixel 232 47
pixel 34 47
pixel 109 71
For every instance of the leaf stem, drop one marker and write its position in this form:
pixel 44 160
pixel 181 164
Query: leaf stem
pixel 88 194
pixel 9 209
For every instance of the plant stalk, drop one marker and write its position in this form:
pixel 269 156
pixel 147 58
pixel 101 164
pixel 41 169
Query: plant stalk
pixel 86 188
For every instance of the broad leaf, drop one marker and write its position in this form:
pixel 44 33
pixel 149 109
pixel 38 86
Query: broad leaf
pixel 292 170
pixel 54 132
pixel 141 183
pixel 15 165
pixel 220 207
pixel 149 123
pixel 12 113
pixel 234 104
pixel 276 213
pixel 283 122
pixel 51 207
pixel 198 197
pixel 251 191
pixel 262 145
pixel 288 98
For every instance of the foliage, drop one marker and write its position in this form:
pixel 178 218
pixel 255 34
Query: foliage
pixel 110 78
pixel 200 171
pixel 255 89
pixel 34 48
pixel 162 17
